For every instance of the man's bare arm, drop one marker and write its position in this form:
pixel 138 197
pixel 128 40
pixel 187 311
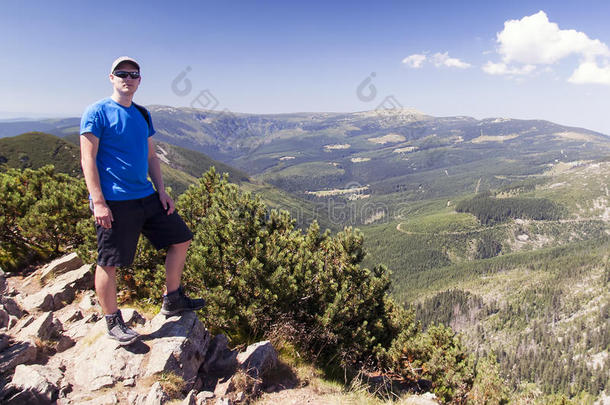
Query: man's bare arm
pixel 154 170
pixel 89 144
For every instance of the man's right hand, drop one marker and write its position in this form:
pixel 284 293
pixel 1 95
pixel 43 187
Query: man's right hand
pixel 103 215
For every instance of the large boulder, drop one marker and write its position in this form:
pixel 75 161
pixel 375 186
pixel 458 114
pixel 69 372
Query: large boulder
pixel 258 358
pixel 107 362
pixel 60 291
pixel 44 327
pixel 178 345
pixel 34 384
pixel 59 266
pixel 17 353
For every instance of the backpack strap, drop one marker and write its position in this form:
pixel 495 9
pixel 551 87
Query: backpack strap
pixel 144 113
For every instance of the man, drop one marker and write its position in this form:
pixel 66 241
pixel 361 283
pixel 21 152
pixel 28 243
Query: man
pixel 117 154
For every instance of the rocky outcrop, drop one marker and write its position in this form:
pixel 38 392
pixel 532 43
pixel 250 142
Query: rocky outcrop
pixel 57 350
pixel 60 291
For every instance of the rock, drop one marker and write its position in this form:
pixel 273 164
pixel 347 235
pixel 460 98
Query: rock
pixel 240 396
pixel 132 317
pixel 134 398
pixel 72 315
pixel 258 358
pixel 2 281
pixel 203 396
pixel 108 363
pixel 156 396
pixel 190 399
pixel 17 353
pixel 178 345
pixel 43 328
pixel 40 383
pixel 12 321
pixel 425 399
pixel 11 306
pixel 108 399
pixel 64 343
pixel 223 401
pixel 224 387
pixel 4 339
pixel 61 291
pixel 59 266
pixel 130 382
pixel 88 302
pixel 220 358
pixel 3 318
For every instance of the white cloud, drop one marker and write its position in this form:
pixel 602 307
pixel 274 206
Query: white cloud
pixel 589 72
pixel 443 59
pixel 534 40
pixel 415 61
pixel 503 69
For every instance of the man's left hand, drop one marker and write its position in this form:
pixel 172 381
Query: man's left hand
pixel 166 202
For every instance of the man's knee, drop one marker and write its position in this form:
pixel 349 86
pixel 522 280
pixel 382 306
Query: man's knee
pixel 107 270
pixel 182 245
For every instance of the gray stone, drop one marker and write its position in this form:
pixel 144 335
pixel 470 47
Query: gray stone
pixel 107 362
pixel 132 317
pixel 64 343
pixel 3 318
pixel 17 353
pixel 88 301
pixel 12 321
pixel 2 282
pixel 258 358
pixel 224 387
pixel 107 399
pixel 156 396
pixel 205 395
pixel 43 328
pixel 70 316
pixel 42 383
pixel 129 382
pixel 59 266
pixel 190 399
pixel 4 339
pixel 61 291
pixel 178 345
pixel 220 358
pixel 12 307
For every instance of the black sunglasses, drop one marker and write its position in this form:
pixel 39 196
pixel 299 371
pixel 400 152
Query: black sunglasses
pixel 123 74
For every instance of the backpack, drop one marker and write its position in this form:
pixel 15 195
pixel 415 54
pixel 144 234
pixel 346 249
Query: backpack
pixel 144 113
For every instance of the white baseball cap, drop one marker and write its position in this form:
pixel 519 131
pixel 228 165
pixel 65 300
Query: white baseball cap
pixel 122 59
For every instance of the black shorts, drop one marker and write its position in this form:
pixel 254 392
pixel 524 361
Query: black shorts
pixel 116 246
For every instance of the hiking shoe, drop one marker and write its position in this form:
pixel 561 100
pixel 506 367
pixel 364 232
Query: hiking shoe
pixel 120 332
pixel 177 301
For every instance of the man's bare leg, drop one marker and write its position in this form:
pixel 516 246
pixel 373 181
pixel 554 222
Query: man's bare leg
pixel 174 264
pixel 105 287
pixel 176 300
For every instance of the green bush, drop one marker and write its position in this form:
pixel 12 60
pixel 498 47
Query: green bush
pixel 437 356
pixel 40 212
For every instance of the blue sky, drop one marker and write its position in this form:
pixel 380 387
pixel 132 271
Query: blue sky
pixel 442 58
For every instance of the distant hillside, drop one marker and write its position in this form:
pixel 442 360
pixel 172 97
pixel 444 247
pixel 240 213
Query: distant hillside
pixel 181 167
pixel 36 149
pixel 532 285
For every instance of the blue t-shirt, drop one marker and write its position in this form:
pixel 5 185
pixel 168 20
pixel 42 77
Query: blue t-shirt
pixel 122 156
